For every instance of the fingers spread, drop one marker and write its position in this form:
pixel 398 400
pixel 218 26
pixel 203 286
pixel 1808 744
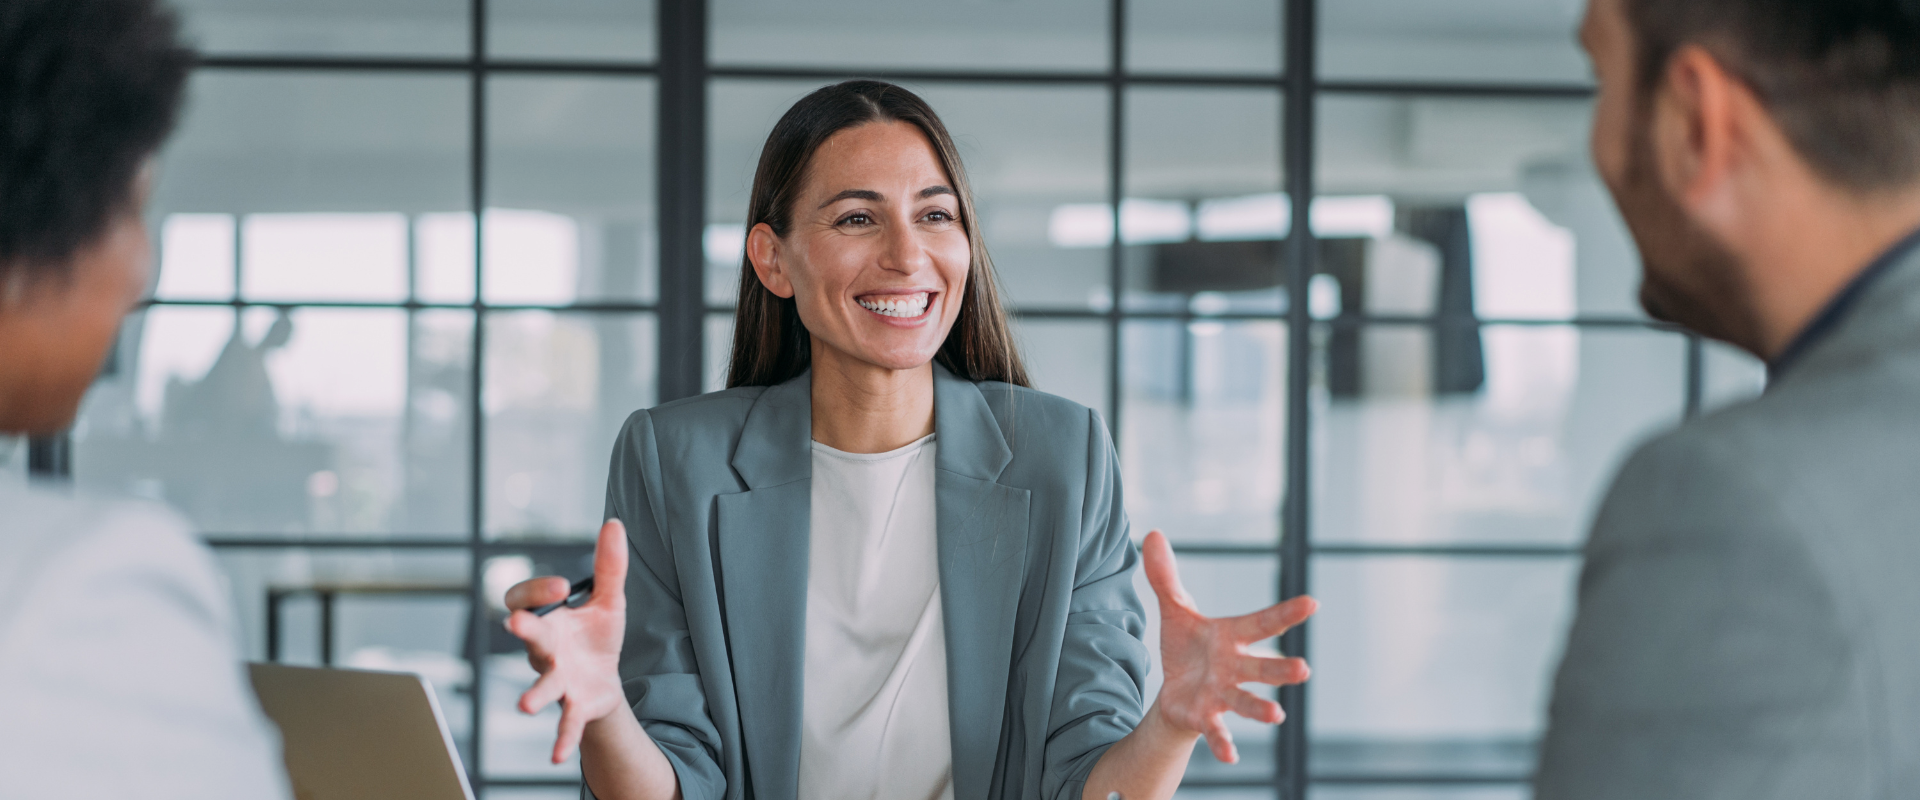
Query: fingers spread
pixel 572 726
pixel 1157 559
pixel 1273 671
pixel 1272 620
pixel 536 592
pixel 546 690
pixel 1258 709
pixel 536 632
pixel 1221 742
pixel 610 565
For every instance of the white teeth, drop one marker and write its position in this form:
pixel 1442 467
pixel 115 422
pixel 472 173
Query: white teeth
pixel 906 306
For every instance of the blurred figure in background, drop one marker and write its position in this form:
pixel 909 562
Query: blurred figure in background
pixel 117 642
pixel 1746 619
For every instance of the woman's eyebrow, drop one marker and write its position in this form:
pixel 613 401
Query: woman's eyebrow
pixel 936 190
pixel 868 195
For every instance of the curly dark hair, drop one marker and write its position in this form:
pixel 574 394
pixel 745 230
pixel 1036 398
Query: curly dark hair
pixel 88 91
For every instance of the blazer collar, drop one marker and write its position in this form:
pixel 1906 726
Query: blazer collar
pixel 971 443
pixel 776 440
pixel 1876 313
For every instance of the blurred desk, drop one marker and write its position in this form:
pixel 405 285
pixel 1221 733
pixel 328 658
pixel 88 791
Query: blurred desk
pixel 327 592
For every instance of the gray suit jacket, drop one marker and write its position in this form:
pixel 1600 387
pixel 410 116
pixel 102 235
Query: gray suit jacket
pixel 1749 620
pixel 1045 662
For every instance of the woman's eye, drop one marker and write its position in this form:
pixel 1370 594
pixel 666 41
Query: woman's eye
pixel 938 215
pixel 857 219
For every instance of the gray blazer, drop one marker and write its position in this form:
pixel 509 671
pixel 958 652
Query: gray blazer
pixel 1749 619
pixel 1045 662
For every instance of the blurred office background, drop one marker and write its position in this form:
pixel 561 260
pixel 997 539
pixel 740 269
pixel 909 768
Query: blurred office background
pixel 382 413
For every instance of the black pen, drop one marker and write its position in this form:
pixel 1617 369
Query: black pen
pixel 577 596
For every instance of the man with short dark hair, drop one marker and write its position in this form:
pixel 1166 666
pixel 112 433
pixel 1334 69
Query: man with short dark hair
pixel 1747 620
pixel 119 675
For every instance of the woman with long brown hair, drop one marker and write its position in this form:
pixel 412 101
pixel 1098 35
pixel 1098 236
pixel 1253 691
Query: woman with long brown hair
pixel 879 565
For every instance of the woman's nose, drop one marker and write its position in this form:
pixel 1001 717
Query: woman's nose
pixel 904 252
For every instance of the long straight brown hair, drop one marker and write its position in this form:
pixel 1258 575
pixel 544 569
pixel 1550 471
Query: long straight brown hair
pixel 770 344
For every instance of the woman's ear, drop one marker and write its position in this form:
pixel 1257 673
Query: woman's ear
pixel 763 249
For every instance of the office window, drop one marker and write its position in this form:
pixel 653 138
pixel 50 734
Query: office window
pixel 1337 275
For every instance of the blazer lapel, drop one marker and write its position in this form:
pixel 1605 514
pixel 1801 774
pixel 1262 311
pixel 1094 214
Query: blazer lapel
pixel 982 543
pixel 763 543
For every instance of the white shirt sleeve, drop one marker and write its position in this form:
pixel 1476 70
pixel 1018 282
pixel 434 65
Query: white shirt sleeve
pixel 119 672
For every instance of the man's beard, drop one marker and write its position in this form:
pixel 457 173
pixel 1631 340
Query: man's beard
pixel 1687 277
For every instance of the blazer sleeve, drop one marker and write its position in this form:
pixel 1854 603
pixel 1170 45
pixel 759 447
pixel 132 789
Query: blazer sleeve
pixel 1099 689
pixel 1705 661
pixel 657 664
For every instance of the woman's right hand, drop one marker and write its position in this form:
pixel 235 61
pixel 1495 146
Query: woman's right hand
pixel 576 650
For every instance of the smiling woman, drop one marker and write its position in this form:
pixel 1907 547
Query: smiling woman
pixel 879 564
pixel 819 151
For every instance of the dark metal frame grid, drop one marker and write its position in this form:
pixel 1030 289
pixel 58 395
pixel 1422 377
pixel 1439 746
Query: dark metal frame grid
pixel 683 75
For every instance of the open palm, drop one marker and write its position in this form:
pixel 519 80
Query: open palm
pixel 1205 660
pixel 576 650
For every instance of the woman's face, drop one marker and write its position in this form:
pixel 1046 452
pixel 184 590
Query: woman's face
pixel 876 257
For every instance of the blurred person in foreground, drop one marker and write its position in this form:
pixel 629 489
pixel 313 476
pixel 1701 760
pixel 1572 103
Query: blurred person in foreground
pixel 118 665
pixel 1746 623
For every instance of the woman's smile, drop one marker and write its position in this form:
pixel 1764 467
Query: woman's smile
pixel 903 309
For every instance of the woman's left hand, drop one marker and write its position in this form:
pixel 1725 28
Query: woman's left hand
pixel 1205 660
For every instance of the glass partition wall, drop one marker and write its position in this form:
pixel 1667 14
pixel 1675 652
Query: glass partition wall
pixel 419 259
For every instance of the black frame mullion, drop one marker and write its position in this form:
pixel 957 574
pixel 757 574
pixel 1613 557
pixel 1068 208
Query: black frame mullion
pixel 478 634
pixel 1297 155
pixel 1116 198
pixel 681 205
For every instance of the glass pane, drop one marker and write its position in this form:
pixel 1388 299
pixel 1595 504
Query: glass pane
pixel 531 793
pixel 1203 427
pixel 1430 665
pixel 875 34
pixel 338 257
pixel 13 461
pixel 1516 41
pixel 1028 151
pixel 329 27
pixel 571 190
pixel 1732 376
pixel 1500 191
pixel 1519 791
pixel 317 421
pixel 1204 213
pixel 572 30
pixel 197 257
pixel 718 345
pixel 1066 358
pixel 392 610
pixel 1210 36
pixel 739 116
pixel 1521 457
pixel 558 388
pixel 324 171
pixel 1236 793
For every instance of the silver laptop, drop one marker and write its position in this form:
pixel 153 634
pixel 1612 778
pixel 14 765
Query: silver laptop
pixel 359 735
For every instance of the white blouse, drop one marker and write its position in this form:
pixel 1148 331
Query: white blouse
pixel 874 703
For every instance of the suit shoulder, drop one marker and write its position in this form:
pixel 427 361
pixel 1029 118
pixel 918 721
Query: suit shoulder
pixel 1012 403
pixel 724 410
pixel 1037 424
